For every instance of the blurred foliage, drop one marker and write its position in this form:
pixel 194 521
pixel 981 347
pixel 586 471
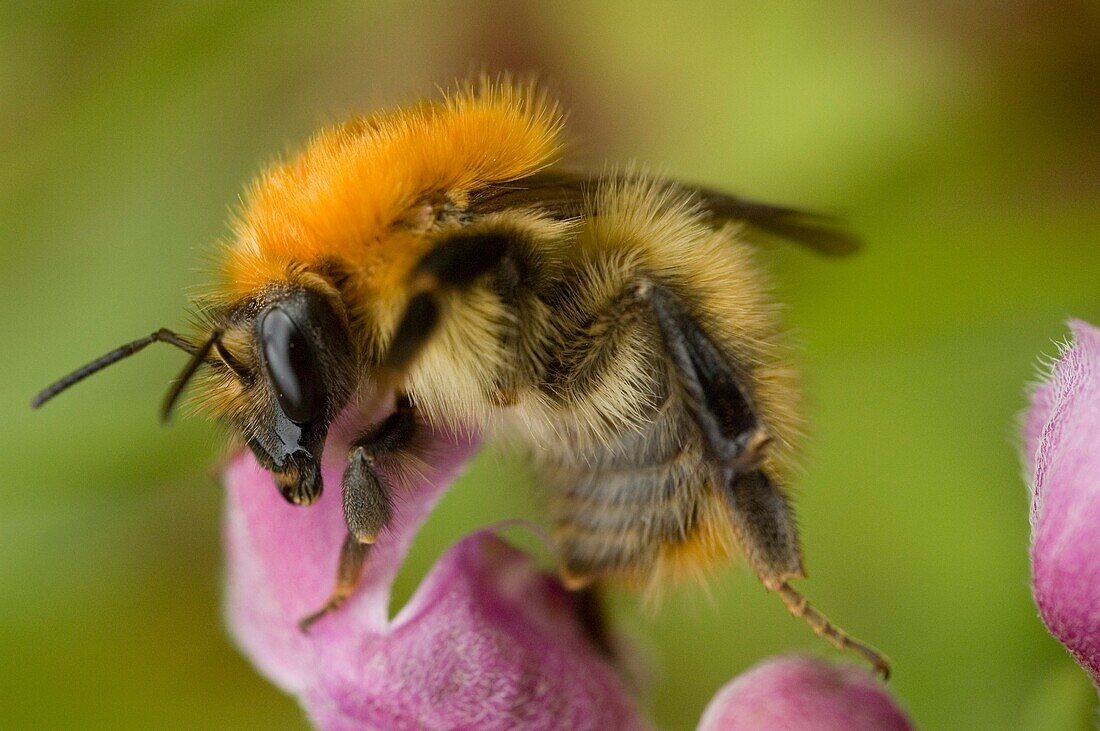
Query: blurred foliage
pixel 960 139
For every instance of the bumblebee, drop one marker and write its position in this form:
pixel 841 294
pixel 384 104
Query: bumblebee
pixel 616 324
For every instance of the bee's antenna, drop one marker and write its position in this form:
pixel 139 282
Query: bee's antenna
pixel 123 351
pixel 198 357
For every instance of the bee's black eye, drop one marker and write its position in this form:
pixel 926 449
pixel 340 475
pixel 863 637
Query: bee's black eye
pixel 291 367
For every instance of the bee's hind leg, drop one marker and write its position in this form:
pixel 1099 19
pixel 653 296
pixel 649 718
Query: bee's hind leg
pixel 736 443
pixel 734 437
pixel 765 526
pixel 368 499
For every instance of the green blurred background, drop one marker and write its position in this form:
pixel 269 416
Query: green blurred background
pixel 961 139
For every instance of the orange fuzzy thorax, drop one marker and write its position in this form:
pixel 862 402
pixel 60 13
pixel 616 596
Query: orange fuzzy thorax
pixel 346 195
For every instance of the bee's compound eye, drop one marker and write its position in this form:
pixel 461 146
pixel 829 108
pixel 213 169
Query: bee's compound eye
pixel 291 367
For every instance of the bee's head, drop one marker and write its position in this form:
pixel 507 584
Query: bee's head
pixel 282 366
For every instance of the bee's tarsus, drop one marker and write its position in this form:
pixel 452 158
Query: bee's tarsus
pixel 334 603
pixel 349 570
pixel 799 606
pixel 737 444
pixel 593 620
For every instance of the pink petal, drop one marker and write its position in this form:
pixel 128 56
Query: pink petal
pixel 487 642
pixel 282 560
pixel 1062 433
pixel 803 693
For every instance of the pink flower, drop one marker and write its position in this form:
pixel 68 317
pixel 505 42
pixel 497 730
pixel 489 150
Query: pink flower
pixel 1062 435
pixel 488 641
pixel 802 693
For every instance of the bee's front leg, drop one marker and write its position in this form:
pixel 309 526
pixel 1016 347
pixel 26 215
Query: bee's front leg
pixel 387 447
pixel 382 451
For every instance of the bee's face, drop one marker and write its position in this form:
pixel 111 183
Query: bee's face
pixel 289 369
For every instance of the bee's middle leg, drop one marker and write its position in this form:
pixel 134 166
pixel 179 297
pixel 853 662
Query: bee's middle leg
pixel 368 497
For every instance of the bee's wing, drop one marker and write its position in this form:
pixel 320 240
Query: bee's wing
pixel 558 193
pixel 563 194
pixel 822 233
